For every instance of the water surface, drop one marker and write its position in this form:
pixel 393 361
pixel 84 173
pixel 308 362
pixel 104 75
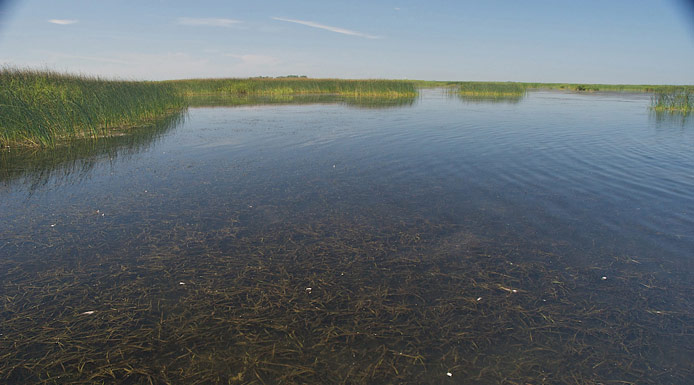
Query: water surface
pixel 547 239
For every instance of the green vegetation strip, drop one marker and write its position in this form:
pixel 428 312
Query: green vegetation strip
pixel 295 86
pixel 501 87
pixel 41 108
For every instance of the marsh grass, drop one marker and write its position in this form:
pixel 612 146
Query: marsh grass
pixel 499 87
pixel 42 108
pixel 371 102
pixel 295 86
pixel 674 101
pixel 487 89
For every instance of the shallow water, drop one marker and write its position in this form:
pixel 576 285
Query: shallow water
pixel 547 239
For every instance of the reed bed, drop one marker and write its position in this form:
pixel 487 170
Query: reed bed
pixel 42 108
pixel 493 87
pixel 295 86
pixel 487 89
pixel 674 101
pixel 370 102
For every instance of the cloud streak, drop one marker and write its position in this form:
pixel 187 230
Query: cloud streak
pixel 62 21
pixel 328 28
pixel 207 22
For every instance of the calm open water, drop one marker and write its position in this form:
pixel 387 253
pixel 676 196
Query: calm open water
pixel 546 240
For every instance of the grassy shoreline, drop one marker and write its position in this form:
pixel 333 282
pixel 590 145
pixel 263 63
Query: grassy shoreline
pixel 580 87
pixel 41 108
pixel 294 86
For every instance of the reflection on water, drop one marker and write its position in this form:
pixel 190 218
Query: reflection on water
pixel 547 241
pixel 670 119
pixel 507 99
pixel 73 161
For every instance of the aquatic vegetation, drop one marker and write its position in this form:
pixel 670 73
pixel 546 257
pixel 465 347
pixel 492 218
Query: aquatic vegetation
pixel 489 89
pixel 375 102
pixel 674 101
pixel 330 300
pixel 498 86
pixel 295 86
pixel 42 108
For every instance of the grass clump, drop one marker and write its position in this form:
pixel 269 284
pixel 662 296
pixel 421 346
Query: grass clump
pixel 41 108
pixel 294 86
pixel 491 89
pixel 674 101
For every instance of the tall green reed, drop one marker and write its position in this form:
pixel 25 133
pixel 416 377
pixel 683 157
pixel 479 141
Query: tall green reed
pixel 45 107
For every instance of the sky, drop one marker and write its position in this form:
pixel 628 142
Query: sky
pixel 586 41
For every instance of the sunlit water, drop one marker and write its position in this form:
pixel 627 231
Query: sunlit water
pixel 548 239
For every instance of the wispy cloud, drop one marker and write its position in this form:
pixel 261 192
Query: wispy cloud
pixel 62 21
pixel 328 27
pixel 207 22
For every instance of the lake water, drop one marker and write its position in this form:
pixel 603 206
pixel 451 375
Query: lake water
pixel 431 240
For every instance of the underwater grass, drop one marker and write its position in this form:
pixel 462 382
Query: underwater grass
pixel 295 86
pixel 330 299
pixel 42 108
pixel 674 101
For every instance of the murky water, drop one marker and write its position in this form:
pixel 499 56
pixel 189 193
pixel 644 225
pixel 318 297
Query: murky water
pixel 542 240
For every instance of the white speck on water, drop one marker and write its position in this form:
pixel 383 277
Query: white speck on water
pixel 181 283
pixel 333 166
pixel 604 278
pixel 514 291
pixel 479 299
pixel 53 225
pixel 308 290
pixel 89 312
pixel 449 374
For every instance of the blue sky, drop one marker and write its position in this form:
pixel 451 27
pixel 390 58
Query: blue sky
pixel 608 41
